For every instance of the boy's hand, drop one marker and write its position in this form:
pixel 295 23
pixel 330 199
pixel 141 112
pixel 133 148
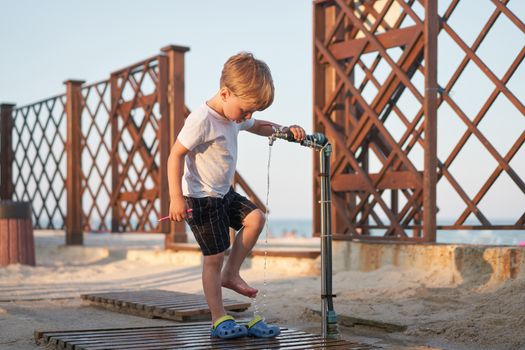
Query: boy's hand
pixel 177 208
pixel 298 133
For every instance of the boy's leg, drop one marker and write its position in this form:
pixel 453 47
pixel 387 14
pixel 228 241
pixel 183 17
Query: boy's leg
pixel 211 283
pixel 242 246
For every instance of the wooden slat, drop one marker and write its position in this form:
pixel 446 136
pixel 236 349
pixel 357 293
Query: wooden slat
pixel 159 304
pixel 391 180
pixel 289 253
pixel 73 184
pixel 300 253
pixel 392 38
pixel 136 196
pixel 184 336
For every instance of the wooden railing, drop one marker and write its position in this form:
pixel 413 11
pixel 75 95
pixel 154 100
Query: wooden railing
pixel 94 159
pixel 377 97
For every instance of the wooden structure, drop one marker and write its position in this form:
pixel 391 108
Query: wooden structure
pixel 377 97
pixel 94 159
pixel 164 304
pixel 17 244
pixel 182 336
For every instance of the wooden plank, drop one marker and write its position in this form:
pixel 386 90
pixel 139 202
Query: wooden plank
pixel 30 243
pixel 165 142
pixel 13 240
pixel 390 180
pixel 4 237
pixel 350 321
pixel 142 101
pixel 392 38
pixel 114 156
pixel 430 105
pixel 299 254
pixel 176 109
pixel 159 304
pixel 136 196
pixel 194 336
pixel 6 151
pixel 74 160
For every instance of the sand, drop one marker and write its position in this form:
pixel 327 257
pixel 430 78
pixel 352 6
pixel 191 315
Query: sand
pixel 437 311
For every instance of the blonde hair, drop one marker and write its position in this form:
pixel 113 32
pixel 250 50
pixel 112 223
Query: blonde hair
pixel 249 79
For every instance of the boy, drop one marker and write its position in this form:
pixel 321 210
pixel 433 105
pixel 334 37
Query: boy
pixel 201 167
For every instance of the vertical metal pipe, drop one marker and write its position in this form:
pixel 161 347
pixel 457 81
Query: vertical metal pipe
pixel 324 219
pixel 329 318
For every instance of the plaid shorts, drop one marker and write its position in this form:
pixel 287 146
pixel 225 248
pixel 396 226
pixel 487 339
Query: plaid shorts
pixel 212 217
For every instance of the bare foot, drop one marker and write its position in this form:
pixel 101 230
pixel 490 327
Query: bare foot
pixel 238 285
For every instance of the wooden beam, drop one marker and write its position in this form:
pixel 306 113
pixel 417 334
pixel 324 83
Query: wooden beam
pixel 74 161
pixel 431 29
pixel 114 156
pixel 6 151
pixel 397 180
pixel 238 179
pixel 134 197
pixel 392 38
pixel 176 114
pixel 165 143
pixel 319 91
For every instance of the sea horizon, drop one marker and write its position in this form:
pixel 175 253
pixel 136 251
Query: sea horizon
pixel 302 228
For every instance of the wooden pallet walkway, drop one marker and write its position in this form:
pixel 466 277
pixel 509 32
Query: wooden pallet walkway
pixel 164 304
pixel 183 336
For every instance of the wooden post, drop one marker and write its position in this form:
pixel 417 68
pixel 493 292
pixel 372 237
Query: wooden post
pixel 115 212
pixel 319 91
pixel 431 29
pixel 6 151
pixel 73 180
pixel 337 116
pixel 165 142
pixel 175 120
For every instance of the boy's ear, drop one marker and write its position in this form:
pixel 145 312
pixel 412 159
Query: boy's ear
pixel 224 92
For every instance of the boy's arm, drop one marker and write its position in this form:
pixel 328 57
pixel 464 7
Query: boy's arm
pixel 266 128
pixel 175 171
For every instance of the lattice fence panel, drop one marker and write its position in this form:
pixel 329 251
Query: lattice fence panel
pixel 481 115
pixel 137 154
pixel 39 165
pixel 370 99
pixel 369 58
pixel 96 157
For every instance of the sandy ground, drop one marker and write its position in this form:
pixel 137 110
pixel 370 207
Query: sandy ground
pixel 437 312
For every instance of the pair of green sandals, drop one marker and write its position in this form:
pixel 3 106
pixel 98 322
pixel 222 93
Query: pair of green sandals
pixel 226 328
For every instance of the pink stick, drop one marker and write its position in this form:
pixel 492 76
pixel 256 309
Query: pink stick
pixel 167 217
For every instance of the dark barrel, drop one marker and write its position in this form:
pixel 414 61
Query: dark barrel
pixel 17 245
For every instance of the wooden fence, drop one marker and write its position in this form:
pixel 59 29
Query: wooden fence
pixel 377 95
pixel 94 159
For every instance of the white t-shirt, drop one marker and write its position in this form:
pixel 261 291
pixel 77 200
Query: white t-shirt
pixel 210 164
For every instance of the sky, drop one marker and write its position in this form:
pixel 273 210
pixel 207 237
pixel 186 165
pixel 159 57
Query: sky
pixel 44 43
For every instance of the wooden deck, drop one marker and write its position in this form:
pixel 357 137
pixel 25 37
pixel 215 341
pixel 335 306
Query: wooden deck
pixel 164 304
pixel 182 336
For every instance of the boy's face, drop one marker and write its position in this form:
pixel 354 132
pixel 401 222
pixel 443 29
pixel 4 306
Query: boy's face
pixel 235 108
